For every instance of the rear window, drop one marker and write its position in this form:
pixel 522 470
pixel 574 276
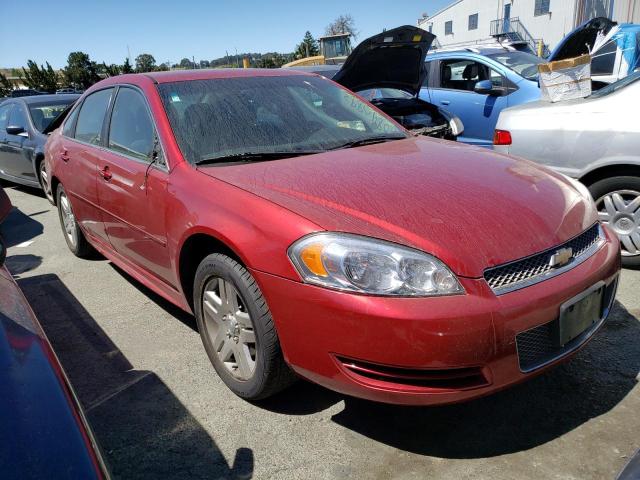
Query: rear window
pixel 42 114
pixel 91 117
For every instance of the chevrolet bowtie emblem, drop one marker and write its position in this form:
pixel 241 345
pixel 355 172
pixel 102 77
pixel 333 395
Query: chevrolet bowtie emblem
pixel 561 258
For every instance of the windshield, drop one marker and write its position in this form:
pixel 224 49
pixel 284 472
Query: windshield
pixel 524 64
pixel 43 114
pixel 614 87
pixel 377 93
pixel 238 116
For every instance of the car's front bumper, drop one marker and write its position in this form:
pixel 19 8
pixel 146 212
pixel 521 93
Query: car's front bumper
pixel 424 351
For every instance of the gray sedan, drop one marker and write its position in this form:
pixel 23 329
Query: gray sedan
pixel 595 140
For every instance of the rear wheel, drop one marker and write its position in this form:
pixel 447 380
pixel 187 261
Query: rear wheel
pixel 237 329
pixel 74 237
pixel 618 203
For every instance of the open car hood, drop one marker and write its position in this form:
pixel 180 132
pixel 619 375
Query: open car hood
pixel 582 40
pixel 391 59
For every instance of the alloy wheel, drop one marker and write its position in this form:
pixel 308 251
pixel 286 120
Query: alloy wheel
pixel 68 220
pixel 229 327
pixel 621 211
pixel 44 180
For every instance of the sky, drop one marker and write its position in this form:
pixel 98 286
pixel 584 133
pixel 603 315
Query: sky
pixel 172 29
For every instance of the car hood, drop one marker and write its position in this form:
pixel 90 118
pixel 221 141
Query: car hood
pixel 469 207
pixel 582 40
pixel 392 59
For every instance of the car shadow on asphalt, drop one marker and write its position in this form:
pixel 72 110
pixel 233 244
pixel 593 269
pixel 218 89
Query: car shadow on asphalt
pixel 19 228
pixel 143 429
pixel 520 418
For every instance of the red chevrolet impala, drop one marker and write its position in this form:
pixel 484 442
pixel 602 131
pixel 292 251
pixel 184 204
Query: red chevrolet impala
pixel 310 233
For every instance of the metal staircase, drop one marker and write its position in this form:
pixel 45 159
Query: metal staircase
pixel 512 30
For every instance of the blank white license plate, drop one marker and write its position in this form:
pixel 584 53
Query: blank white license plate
pixel 580 313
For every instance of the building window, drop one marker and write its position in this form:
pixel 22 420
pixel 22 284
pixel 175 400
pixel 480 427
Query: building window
pixel 448 27
pixel 473 21
pixel 431 28
pixel 541 8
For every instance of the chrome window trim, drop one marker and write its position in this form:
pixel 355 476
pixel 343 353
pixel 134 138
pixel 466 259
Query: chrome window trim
pixel 552 273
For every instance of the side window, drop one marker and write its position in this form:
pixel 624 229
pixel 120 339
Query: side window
pixel 91 117
pixel 18 118
pixel 70 123
pixel 4 116
pixel 604 59
pixel 464 74
pixel 131 130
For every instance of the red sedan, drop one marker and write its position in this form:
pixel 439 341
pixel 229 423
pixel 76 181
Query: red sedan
pixel 310 233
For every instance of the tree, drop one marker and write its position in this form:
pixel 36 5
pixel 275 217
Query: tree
pixel 163 67
pixel 308 47
pixel 40 78
pixel 5 86
pixel 145 63
pixel 126 66
pixel 186 63
pixel 342 24
pixel 110 70
pixel 80 71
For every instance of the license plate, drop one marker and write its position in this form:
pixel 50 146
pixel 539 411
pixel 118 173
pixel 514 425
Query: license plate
pixel 580 313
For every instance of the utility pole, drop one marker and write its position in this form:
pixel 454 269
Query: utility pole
pixel 237 61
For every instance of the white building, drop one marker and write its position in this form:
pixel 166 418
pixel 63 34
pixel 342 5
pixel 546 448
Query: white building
pixel 529 21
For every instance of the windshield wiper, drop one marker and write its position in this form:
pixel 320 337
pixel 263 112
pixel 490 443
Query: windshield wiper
pixel 367 141
pixel 254 156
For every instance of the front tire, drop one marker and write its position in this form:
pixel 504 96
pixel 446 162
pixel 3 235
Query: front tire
pixel 74 237
pixel 618 203
pixel 237 329
pixel 43 178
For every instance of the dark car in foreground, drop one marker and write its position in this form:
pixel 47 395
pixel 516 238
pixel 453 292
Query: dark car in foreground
pixel 388 70
pixel 24 126
pixel 311 233
pixel 43 431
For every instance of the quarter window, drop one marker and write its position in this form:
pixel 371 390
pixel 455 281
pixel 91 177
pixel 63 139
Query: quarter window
pixel 131 130
pixel 473 21
pixel 70 123
pixel 448 27
pixel 541 7
pixel 91 117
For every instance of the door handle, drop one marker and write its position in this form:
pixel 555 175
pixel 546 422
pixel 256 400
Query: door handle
pixel 64 155
pixel 106 173
pixel 445 102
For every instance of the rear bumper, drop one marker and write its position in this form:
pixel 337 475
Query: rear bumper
pixel 424 351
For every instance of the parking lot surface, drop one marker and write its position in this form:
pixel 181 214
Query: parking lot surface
pixel 159 410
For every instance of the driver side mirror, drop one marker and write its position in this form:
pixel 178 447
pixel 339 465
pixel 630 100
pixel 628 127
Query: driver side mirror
pixel 485 87
pixel 16 130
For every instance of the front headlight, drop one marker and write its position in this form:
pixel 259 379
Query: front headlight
pixel 366 265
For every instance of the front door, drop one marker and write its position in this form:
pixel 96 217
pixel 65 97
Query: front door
pixel 453 90
pixel 507 18
pixel 15 161
pixel 132 189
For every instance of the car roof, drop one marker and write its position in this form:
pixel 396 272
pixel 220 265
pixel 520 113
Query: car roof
pixel 48 98
pixel 207 74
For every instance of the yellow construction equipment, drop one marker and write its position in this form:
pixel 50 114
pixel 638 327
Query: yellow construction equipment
pixel 334 49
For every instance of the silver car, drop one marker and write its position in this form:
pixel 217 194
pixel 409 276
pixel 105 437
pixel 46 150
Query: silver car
pixel 595 140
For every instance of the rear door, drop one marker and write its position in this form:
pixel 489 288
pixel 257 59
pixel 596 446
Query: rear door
pixel 452 88
pixel 80 149
pixel 132 186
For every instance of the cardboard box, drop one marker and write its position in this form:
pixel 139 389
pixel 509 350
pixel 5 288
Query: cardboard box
pixel 565 79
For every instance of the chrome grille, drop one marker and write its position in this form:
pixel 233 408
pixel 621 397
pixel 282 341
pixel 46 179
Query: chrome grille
pixel 536 268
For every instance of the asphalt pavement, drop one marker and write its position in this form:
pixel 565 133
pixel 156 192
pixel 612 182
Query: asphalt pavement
pixel 159 410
